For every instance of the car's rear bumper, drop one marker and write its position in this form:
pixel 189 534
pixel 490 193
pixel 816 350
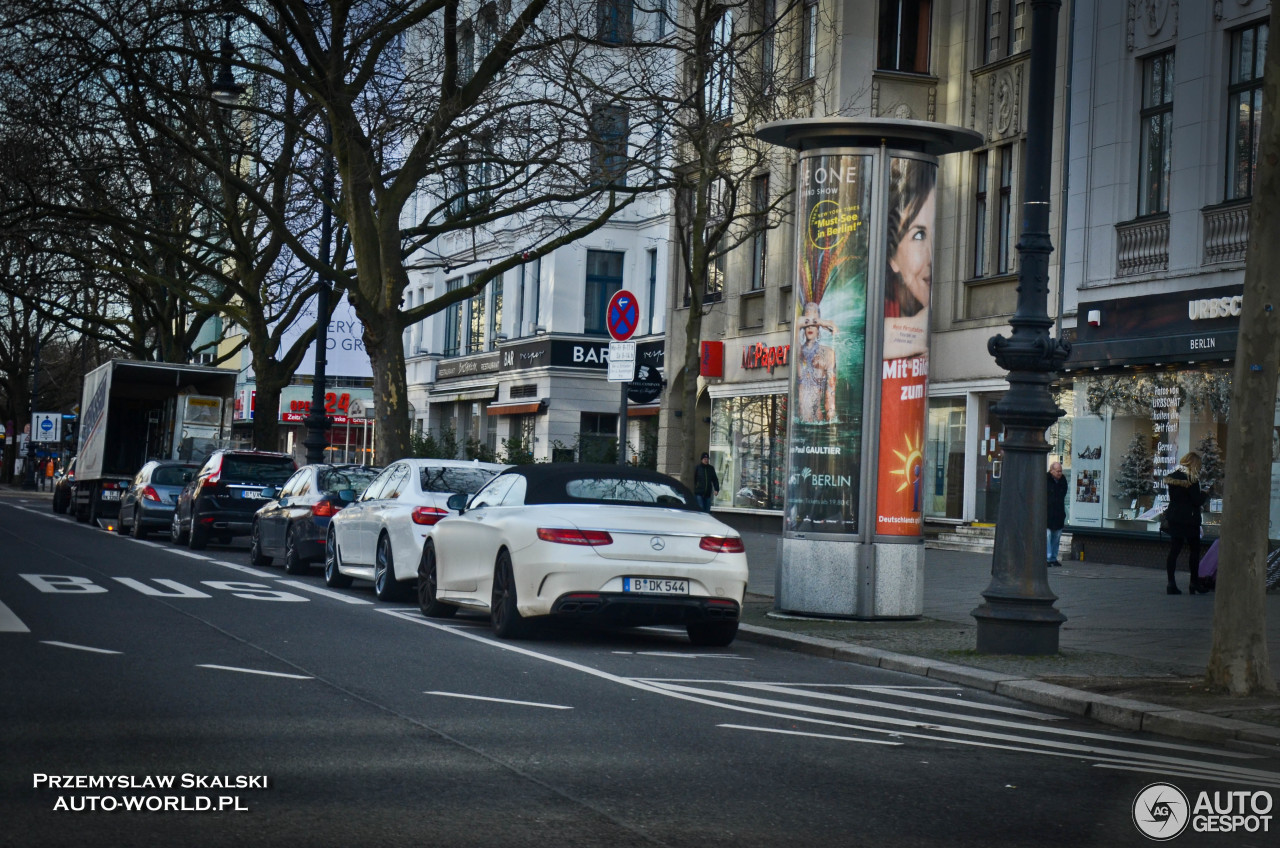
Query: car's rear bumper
pixel 643 610
pixel 224 522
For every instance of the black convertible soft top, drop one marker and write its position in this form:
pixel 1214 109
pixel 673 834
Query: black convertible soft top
pixel 548 483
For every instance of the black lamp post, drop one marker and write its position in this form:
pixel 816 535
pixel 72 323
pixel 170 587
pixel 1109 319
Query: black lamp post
pixel 1018 616
pixel 228 92
pixel 29 461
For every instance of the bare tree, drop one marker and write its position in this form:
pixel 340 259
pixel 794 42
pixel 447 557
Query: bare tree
pixel 1238 662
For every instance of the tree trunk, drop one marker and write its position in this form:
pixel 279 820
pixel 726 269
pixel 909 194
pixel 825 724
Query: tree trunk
pixel 1238 662
pixel 266 406
pixel 390 389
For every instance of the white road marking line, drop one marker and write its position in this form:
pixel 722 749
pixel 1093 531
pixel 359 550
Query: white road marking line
pixel 498 700
pixel 243 569
pixel 190 555
pixel 682 656
pixel 307 587
pixel 903 708
pixel 813 735
pixel 77 647
pixel 10 623
pixel 1088 749
pixel 254 671
pixel 1030 746
pixel 1225 778
pixel 972 705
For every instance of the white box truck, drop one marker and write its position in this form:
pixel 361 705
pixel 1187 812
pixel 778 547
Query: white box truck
pixel 133 412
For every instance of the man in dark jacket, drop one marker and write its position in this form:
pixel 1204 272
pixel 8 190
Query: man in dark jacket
pixel 706 485
pixel 1057 512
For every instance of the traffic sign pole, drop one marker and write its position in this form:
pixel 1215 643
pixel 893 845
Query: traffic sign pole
pixel 622 316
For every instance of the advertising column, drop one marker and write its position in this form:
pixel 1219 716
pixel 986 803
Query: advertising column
pixel 909 225
pixel 831 323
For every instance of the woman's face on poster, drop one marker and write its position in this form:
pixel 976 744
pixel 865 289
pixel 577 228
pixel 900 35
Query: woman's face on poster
pixel 913 260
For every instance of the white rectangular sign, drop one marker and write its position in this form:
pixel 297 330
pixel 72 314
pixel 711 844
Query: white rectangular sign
pixel 46 426
pixel 622 362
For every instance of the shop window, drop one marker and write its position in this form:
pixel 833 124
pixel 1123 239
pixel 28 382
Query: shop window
pixel 944 459
pixel 748 449
pixel 1155 151
pixel 1244 109
pixel 904 35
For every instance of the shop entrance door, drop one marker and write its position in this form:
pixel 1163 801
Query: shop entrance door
pixel 990 460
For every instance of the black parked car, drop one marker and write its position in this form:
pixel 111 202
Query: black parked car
pixel 148 502
pixel 64 483
pixel 221 500
pixel 294 524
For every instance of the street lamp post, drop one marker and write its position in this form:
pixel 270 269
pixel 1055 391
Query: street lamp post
pixel 29 461
pixel 228 92
pixel 1018 616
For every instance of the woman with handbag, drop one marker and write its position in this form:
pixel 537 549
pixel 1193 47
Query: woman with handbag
pixel 1183 514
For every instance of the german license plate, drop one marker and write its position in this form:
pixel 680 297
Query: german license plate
pixel 252 494
pixel 110 495
pixel 652 586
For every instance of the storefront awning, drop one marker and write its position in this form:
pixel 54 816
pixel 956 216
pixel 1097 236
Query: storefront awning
pixel 488 393
pixel 517 408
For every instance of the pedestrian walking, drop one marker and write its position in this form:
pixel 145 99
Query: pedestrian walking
pixel 706 485
pixel 1057 516
pixel 1183 514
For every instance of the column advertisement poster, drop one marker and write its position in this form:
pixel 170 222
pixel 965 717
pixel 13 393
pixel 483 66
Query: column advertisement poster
pixel 834 194
pixel 909 227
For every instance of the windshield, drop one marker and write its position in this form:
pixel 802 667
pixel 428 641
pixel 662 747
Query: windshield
pixel 171 475
pixel 356 479
pixel 627 491
pixel 447 479
pixel 264 470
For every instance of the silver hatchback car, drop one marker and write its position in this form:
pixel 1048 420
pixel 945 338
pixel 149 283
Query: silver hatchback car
pixel 148 502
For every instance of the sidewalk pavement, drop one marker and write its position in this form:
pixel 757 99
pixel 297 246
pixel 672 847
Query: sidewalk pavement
pixel 1130 655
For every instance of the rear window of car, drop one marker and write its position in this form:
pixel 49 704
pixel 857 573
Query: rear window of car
pixel 356 479
pixel 267 470
pixel 171 475
pixel 617 490
pixel 451 480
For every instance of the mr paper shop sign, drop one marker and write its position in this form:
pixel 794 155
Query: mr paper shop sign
pixel 764 356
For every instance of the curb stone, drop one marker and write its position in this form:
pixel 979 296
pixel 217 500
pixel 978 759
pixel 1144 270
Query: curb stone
pixel 1122 713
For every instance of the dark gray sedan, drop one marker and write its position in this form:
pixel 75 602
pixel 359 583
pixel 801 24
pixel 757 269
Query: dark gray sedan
pixel 148 502
pixel 294 524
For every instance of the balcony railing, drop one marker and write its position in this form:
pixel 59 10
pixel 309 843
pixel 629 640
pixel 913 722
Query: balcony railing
pixel 1143 246
pixel 1226 232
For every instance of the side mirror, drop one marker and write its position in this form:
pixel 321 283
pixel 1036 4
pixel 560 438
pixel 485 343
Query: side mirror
pixel 270 493
pixel 458 502
pixel 347 495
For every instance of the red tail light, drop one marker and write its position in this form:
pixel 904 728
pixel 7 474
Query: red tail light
pixel 149 494
pixel 565 536
pixel 428 515
pixel 324 509
pixel 722 544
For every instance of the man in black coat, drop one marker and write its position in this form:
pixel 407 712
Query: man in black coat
pixel 706 485
pixel 1057 511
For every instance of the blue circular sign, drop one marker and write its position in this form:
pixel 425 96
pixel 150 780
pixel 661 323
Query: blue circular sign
pixel 623 315
pixel 46 424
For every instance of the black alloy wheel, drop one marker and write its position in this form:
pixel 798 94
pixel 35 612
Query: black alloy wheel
pixel 385 585
pixel 293 561
pixel 333 576
pixel 256 556
pixel 428 585
pixel 503 614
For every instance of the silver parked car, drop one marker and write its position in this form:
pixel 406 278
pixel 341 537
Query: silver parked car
pixel 148 502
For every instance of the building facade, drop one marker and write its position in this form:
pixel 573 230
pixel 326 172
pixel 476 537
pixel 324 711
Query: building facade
pixel 1165 109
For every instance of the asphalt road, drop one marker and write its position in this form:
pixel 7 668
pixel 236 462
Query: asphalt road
pixel 369 724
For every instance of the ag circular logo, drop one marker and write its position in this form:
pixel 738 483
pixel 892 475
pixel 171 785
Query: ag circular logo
pixel 1161 811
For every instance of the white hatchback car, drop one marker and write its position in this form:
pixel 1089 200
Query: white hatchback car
pixel 380 536
pixel 608 543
